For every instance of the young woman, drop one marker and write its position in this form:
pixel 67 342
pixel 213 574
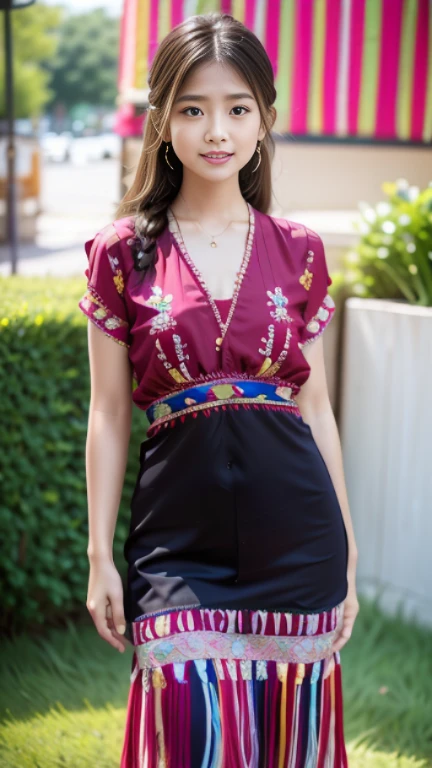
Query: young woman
pixel 241 580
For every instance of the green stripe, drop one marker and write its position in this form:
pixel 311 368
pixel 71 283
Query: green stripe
pixel 283 82
pixel 315 100
pixel 238 10
pixel 406 69
pixel 370 68
pixel 427 131
pixel 164 19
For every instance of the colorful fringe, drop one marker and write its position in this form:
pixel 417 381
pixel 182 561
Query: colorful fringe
pixel 236 708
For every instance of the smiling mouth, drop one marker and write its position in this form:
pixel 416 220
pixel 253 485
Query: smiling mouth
pixel 211 154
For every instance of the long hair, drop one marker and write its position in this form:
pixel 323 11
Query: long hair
pixel 211 37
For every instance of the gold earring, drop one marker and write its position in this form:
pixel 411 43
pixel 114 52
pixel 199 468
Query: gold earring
pixel 166 157
pixel 259 152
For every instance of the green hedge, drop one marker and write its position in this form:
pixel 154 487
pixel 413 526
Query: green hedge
pixel 44 375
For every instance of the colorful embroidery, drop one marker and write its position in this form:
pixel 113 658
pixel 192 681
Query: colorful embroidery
pixel 119 281
pixel 163 320
pixel 267 351
pixel 279 301
pixel 234 646
pixel 320 321
pixel 177 376
pixel 181 356
pixel 306 279
pixel 277 364
pixel 102 316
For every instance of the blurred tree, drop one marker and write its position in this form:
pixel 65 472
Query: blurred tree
pixel 34 31
pixel 84 70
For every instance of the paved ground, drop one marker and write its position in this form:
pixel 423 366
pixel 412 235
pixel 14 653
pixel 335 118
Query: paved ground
pixel 77 201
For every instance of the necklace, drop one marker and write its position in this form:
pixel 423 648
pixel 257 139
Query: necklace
pixel 213 242
pixel 175 229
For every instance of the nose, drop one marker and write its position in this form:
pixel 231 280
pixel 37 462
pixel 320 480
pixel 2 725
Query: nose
pixel 215 131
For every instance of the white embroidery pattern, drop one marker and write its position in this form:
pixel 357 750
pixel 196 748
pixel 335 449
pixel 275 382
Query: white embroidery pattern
pixel 279 301
pixel 164 319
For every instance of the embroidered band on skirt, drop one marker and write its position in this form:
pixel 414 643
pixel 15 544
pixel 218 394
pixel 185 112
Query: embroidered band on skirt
pixel 221 688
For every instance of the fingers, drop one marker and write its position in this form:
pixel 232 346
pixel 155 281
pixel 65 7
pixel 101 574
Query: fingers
pixel 102 618
pixel 344 635
pixel 117 625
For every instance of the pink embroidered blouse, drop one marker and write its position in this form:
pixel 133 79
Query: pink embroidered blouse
pixel 173 327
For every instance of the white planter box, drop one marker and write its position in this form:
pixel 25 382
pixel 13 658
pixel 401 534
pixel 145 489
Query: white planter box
pixel 386 435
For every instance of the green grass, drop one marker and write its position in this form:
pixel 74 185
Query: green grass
pixel 63 697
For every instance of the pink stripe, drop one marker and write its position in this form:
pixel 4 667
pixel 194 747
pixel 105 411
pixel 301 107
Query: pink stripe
pixel 226 6
pixel 250 11
pixel 177 12
pixel 389 66
pixel 331 62
pixel 355 65
pixel 153 30
pixel 272 32
pixel 301 71
pixel 420 74
pixel 127 45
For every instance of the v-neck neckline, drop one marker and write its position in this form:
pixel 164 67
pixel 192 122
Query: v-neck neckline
pixel 174 229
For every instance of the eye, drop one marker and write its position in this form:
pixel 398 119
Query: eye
pixel 189 108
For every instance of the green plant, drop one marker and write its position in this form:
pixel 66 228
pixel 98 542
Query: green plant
pixel 44 380
pixel 393 258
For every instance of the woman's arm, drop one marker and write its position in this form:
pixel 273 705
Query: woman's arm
pixel 107 445
pixel 314 403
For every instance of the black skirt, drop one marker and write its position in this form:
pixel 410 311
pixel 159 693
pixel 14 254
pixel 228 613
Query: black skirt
pixel 236 510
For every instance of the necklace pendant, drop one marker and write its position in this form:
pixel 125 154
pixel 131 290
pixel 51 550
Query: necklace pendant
pixel 219 343
pixel 213 244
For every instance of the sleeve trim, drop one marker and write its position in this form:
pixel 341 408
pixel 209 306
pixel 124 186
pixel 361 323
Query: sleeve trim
pixel 320 321
pixel 96 310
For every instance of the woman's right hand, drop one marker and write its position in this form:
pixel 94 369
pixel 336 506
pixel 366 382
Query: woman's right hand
pixel 105 601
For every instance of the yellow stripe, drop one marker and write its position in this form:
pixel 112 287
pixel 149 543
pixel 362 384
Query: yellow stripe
pixel 406 69
pixel 142 44
pixel 164 19
pixel 427 131
pixel 370 68
pixel 315 103
pixel 282 668
pixel 283 82
pixel 239 10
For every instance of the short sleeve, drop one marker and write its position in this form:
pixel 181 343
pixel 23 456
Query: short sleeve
pixel 103 302
pixel 319 307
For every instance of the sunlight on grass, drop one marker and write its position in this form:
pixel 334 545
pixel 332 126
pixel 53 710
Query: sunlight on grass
pixel 63 697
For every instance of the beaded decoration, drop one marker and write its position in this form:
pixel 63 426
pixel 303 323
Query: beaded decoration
pixel 319 322
pixel 164 319
pixel 95 308
pixel 175 229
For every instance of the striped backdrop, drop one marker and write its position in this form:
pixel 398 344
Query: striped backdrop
pixel 360 68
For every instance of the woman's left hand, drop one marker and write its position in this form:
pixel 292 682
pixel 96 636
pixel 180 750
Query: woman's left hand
pixel 351 609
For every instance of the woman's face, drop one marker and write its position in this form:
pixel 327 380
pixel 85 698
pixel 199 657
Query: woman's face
pixel 215 111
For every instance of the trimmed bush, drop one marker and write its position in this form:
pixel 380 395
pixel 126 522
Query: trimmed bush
pixel 44 374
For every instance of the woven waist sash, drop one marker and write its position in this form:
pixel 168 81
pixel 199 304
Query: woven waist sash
pixel 220 394
pixel 203 633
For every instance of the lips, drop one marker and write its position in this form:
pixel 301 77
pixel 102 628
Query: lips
pixel 218 154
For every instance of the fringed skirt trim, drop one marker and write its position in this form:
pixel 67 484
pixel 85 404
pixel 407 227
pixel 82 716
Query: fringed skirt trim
pixel 216 688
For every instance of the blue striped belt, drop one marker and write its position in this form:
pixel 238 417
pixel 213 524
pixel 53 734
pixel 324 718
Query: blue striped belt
pixel 220 393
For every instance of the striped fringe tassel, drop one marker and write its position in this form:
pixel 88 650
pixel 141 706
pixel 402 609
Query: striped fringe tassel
pixel 219 713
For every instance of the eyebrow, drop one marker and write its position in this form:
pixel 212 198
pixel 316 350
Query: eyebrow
pixel 198 97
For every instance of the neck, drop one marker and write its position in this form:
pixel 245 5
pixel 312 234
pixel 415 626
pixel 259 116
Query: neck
pixel 204 201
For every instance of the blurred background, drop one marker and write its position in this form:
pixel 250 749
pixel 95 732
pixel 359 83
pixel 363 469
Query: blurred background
pixel 353 161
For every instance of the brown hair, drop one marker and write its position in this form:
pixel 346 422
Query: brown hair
pixel 211 37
